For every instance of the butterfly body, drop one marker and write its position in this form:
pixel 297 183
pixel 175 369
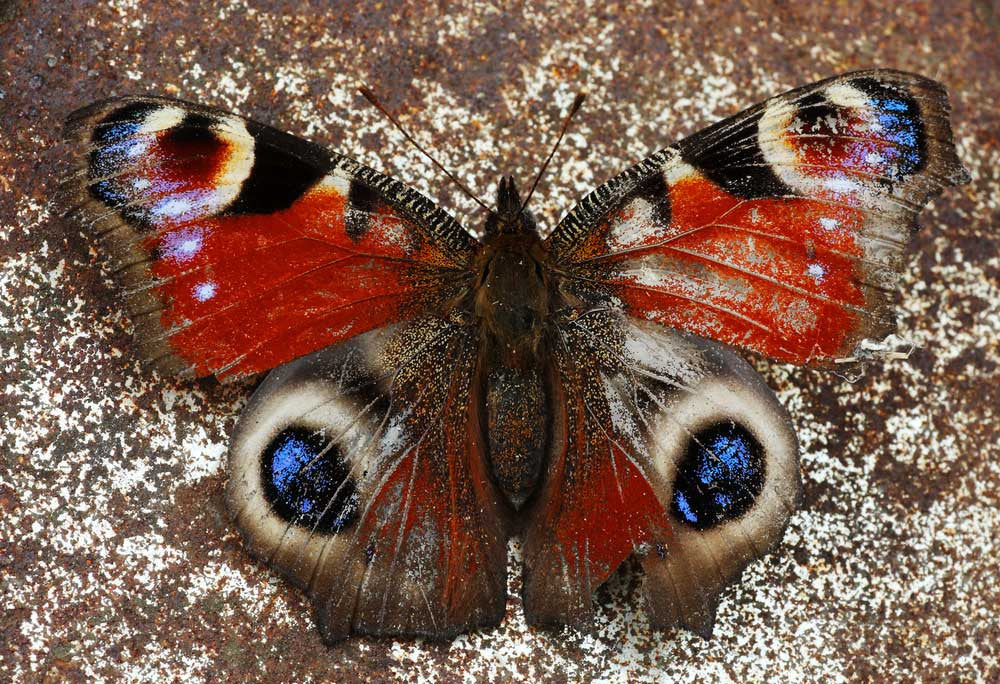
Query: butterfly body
pixel 512 295
pixel 432 393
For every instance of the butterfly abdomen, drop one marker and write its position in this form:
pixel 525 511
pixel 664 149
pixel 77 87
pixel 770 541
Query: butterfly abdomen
pixel 511 304
pixel 517 427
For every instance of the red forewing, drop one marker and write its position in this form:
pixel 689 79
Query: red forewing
pixel 781 229
pixel 242 247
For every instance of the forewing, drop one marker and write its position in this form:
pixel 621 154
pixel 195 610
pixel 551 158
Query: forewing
pixel 358 472
pixel 665 445
pixel 781 229
pixel 241 247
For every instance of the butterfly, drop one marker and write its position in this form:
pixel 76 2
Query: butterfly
pixel 433 392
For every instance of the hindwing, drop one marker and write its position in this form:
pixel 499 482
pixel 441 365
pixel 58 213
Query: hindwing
pixel 667 446
pixel 358 472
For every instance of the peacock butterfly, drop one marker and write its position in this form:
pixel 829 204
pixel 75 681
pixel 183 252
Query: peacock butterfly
pixel 434 393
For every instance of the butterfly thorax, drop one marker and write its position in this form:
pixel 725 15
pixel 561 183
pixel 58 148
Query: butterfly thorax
pixel 512 290
pixel 511 305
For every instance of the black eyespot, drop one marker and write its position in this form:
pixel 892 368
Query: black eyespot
pixel 728 160
pixel 307 481
pixel 813 110
pixel 654 190
pixel 194 133
pixel 284 168
pixel 362 202
pixel 720 476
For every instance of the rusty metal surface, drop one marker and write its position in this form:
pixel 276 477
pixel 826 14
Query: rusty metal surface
pixel 117 561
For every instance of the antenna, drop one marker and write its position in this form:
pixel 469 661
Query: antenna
pixel 370 96
pixel 574 108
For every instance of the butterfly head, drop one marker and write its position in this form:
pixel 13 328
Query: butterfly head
pixel 510 217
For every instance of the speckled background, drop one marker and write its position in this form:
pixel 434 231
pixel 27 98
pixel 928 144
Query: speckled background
pixel 117 561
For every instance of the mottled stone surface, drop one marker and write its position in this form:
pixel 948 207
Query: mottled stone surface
pixel 117 561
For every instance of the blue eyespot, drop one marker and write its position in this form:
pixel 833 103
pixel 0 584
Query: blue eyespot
pixel 115 145
pixel 720 476
pixel 894 105
pixel 307 481
pixel 901 126
pixel 900 123
pixel 116 133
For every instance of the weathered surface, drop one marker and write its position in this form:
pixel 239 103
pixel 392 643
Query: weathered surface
pixel 116 558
